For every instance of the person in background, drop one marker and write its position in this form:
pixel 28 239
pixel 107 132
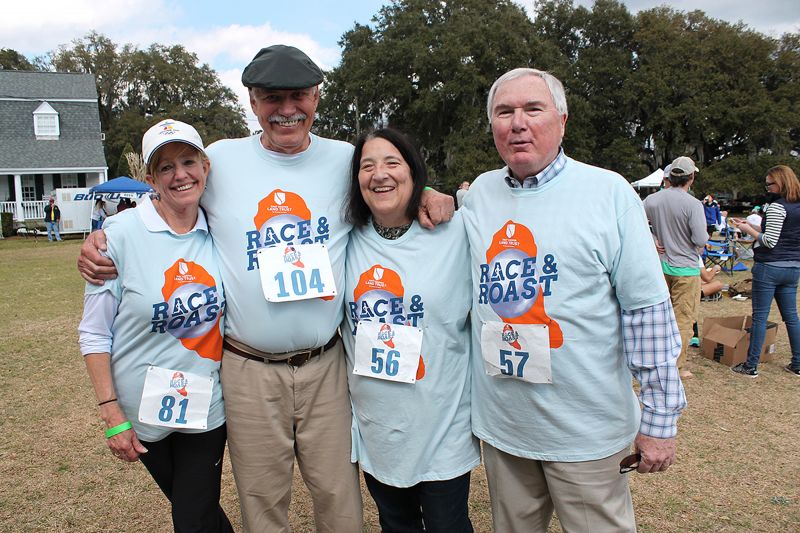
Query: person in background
pixel 710 291
pixel 461 192
pixel 99 214
pixel 679 225
pixel 776 268
pixel 712 213
pixel 754 218
pixel 52 219
pixel 408 361
pixel 152 337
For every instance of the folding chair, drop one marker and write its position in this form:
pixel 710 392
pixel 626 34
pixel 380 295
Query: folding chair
pixel 720 253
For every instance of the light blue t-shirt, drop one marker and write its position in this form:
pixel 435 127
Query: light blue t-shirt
pixel 571 254
pixel 171 305
pixel 407 433
pixel 257 198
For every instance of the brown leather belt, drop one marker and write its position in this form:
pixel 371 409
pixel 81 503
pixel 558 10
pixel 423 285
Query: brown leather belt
pixel 297 359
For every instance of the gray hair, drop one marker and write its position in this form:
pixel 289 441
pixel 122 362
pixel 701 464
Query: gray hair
pixel 553 85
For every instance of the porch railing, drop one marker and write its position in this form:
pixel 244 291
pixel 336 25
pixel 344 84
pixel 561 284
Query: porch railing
pixel 30 210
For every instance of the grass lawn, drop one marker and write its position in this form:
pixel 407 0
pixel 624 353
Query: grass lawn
pixel 738 463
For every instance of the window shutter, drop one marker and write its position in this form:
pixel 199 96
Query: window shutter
pixel 38 186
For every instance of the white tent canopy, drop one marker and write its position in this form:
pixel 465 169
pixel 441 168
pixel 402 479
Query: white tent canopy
pixel 653 180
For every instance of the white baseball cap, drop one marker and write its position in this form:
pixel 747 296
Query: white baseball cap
pixel 168 131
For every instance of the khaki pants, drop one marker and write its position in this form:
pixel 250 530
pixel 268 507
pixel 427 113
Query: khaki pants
pixel 588 496
pixel 276 413
pixel 684 291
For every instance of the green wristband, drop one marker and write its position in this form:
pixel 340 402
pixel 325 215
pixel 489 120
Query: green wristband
pixel 428 189
pixel 125 426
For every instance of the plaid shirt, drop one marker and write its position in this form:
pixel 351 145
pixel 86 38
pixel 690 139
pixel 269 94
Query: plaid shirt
pixel 549 172
pixel 651 343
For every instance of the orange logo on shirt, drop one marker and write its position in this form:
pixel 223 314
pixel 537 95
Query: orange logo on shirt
pixel 191 309
pixel 378 296
pixel 510 281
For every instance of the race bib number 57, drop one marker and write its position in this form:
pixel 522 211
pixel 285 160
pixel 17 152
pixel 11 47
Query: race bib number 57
pixel 517 351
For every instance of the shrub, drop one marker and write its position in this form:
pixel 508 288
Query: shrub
pixel 7 224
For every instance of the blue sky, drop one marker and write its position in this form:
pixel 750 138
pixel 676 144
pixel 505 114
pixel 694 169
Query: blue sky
pixel 227 34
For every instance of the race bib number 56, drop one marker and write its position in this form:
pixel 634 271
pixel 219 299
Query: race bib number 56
pixel 518 351
pixel 387 351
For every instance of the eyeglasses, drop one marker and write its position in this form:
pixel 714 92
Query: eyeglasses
pixel 769 184
pixel 630 463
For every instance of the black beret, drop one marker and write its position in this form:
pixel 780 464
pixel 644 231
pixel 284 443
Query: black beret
pixel 281 67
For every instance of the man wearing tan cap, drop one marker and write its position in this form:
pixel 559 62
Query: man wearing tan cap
pixel 274 206
pixel 679 223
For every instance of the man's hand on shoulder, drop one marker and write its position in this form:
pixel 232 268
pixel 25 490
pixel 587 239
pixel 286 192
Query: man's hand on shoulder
pixel 435 208
pixel 657 454
pixel 92 265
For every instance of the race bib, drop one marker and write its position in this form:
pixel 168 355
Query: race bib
pixel 387 351
pixel 517 351
pixel 175 399
pixel 295 272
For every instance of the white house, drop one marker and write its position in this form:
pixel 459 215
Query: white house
pixel 50 138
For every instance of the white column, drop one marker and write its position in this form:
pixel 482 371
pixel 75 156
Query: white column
pixel 18 215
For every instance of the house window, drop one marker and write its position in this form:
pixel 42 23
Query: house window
pixel 28 189
pixel 69 181
pixel 45 122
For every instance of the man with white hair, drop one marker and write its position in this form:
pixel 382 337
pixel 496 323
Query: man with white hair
pixel 562 317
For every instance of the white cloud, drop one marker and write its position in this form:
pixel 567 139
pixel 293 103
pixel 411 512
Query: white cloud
pixel 36 26
pixel 233 79
pixel 239 43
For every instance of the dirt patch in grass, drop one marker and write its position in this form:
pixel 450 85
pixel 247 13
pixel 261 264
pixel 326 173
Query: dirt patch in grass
pixel 738 465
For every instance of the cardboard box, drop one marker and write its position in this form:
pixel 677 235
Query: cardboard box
pixel 725 339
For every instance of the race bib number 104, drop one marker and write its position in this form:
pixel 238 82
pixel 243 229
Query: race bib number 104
pixel 295 272
pixel 517 351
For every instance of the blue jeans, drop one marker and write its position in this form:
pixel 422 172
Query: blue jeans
pixel 52 227
pixel 427 507
pixel 780 283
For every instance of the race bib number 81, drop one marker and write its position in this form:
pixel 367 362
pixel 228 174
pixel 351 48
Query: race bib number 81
pixel 295 272
pixel 175 399
pixel 518 351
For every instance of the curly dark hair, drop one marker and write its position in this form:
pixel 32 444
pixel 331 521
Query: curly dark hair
pixel 356 210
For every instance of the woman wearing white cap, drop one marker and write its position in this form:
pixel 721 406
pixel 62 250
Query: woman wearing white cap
pixel 152 337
